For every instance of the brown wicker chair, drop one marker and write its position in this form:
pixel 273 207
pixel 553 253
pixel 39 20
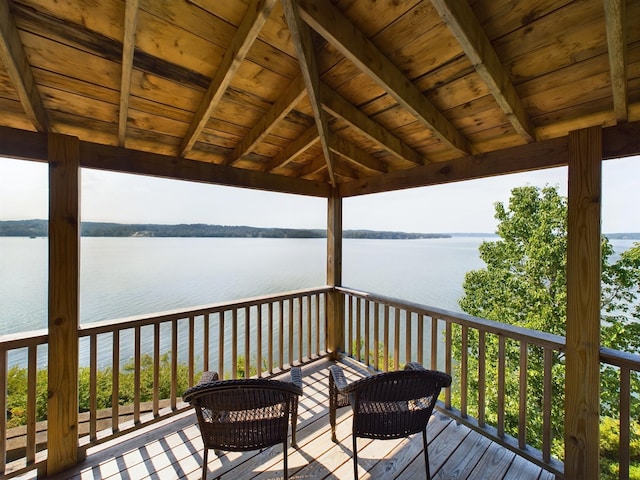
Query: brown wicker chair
pixel 246 414
pixel 388 405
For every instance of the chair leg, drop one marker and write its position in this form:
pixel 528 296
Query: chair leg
pixel 294 422
pixel 205 460
pixel 355 458
pixel 426 453
pixel 286 466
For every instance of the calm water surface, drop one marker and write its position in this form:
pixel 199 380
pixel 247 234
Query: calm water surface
pixel 121 277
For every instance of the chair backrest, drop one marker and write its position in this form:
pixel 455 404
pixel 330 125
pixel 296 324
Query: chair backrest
pixel 244 414
pixel 395 404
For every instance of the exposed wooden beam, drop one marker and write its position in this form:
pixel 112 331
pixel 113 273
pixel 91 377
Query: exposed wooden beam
pixel 15 59
pixel 329 22
pixel 315 167
pixel 531 156
pixel 582 356
pixel 119 159
pixel 128 47
pixel 466 28
pixel 247 32
pixel 617 42
pixel 278 111
pixel 294 149
pixel 339 107
pixel 356 155
pixel 301 37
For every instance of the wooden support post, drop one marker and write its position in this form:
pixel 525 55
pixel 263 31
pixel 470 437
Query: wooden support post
pixel 64 263
pixel 335 303
pixel 582 396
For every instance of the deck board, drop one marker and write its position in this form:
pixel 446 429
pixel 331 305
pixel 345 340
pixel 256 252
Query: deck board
pixel 172 449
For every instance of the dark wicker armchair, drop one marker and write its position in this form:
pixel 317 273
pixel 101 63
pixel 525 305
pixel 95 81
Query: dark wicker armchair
pixel 247 414
pixel 388 405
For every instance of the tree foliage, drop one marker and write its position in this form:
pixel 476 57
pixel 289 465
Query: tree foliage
pixel 524 284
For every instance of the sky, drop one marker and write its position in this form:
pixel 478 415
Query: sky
pixel 457 207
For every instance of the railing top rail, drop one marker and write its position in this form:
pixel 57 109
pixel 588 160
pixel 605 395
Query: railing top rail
pixel 13 341
pixel 106 326
pixel 620 359
pixel 534 337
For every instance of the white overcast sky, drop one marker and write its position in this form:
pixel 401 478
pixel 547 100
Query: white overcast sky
pixel 458 207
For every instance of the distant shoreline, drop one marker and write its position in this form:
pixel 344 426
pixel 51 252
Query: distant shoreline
pixel 39 228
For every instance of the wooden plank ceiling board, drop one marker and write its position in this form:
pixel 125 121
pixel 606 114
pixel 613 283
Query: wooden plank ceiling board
pixel 336 92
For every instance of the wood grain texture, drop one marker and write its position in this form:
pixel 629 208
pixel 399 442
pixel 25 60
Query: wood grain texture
pixel 64 301
pixel 582 401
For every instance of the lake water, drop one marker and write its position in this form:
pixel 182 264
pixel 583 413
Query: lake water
pixel 121 277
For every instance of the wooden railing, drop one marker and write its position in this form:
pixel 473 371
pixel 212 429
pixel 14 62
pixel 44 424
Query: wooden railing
pixel 385 333
pixel 164 353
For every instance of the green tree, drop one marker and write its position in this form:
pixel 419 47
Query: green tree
pixel 524 284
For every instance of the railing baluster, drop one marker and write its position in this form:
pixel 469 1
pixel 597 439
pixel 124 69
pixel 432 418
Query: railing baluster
pixel 522 417
pixel 174 363
pixel 93 387
pixel 247 333
pixel 32 371
pixel 259 341
pixel 281 336
pixel 546 405
pixel 349 300
pixel 385 344
pixel 624 453
pixel 376 336
pixel 482 375
pixel 300 329
pixel 407 336
pixel 221 319
pixel 464 371
pixel 420 345
pixel 270 338
pixel 290 332
pixel 396 340
pixel 501 384
pixel 234 343
pixel 317 297
pixel 359 353
pixel 309 329
pixel 115 382
pixel 205 342
pixel 136 374
pixel 434 343
pixel 447 361
pixel 3 408
pixel 191 349
pixel 367 331
pixel 156 369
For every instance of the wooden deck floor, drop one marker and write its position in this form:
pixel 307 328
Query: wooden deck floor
pixel 173 450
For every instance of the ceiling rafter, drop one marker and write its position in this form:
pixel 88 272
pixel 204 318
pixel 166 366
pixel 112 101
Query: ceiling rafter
pixel 614 11
pixel 339 107
pixel 247 32
pixel 15 59
pixel 468 31
pixel 301 37
pixel 329 22
pixel 128 47
pixel 316 167
pixel 278 111
pixel 296 148
pixel 355 154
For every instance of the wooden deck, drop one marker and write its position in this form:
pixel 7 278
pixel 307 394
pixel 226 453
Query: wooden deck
pixel 173 449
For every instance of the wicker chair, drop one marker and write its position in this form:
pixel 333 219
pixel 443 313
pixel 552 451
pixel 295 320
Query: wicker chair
pixel 246 414
pixel 388 405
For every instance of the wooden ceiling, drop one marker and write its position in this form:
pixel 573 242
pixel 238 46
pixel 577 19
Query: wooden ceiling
pixel 313 96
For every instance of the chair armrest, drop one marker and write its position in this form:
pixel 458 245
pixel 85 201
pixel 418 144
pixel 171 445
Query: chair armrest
pixel 208 377
pixel 339 381
pixel 296 377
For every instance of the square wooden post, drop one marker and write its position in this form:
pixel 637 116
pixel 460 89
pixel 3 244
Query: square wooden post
pixel 64 301
pixel 582 393
pixel 335 302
